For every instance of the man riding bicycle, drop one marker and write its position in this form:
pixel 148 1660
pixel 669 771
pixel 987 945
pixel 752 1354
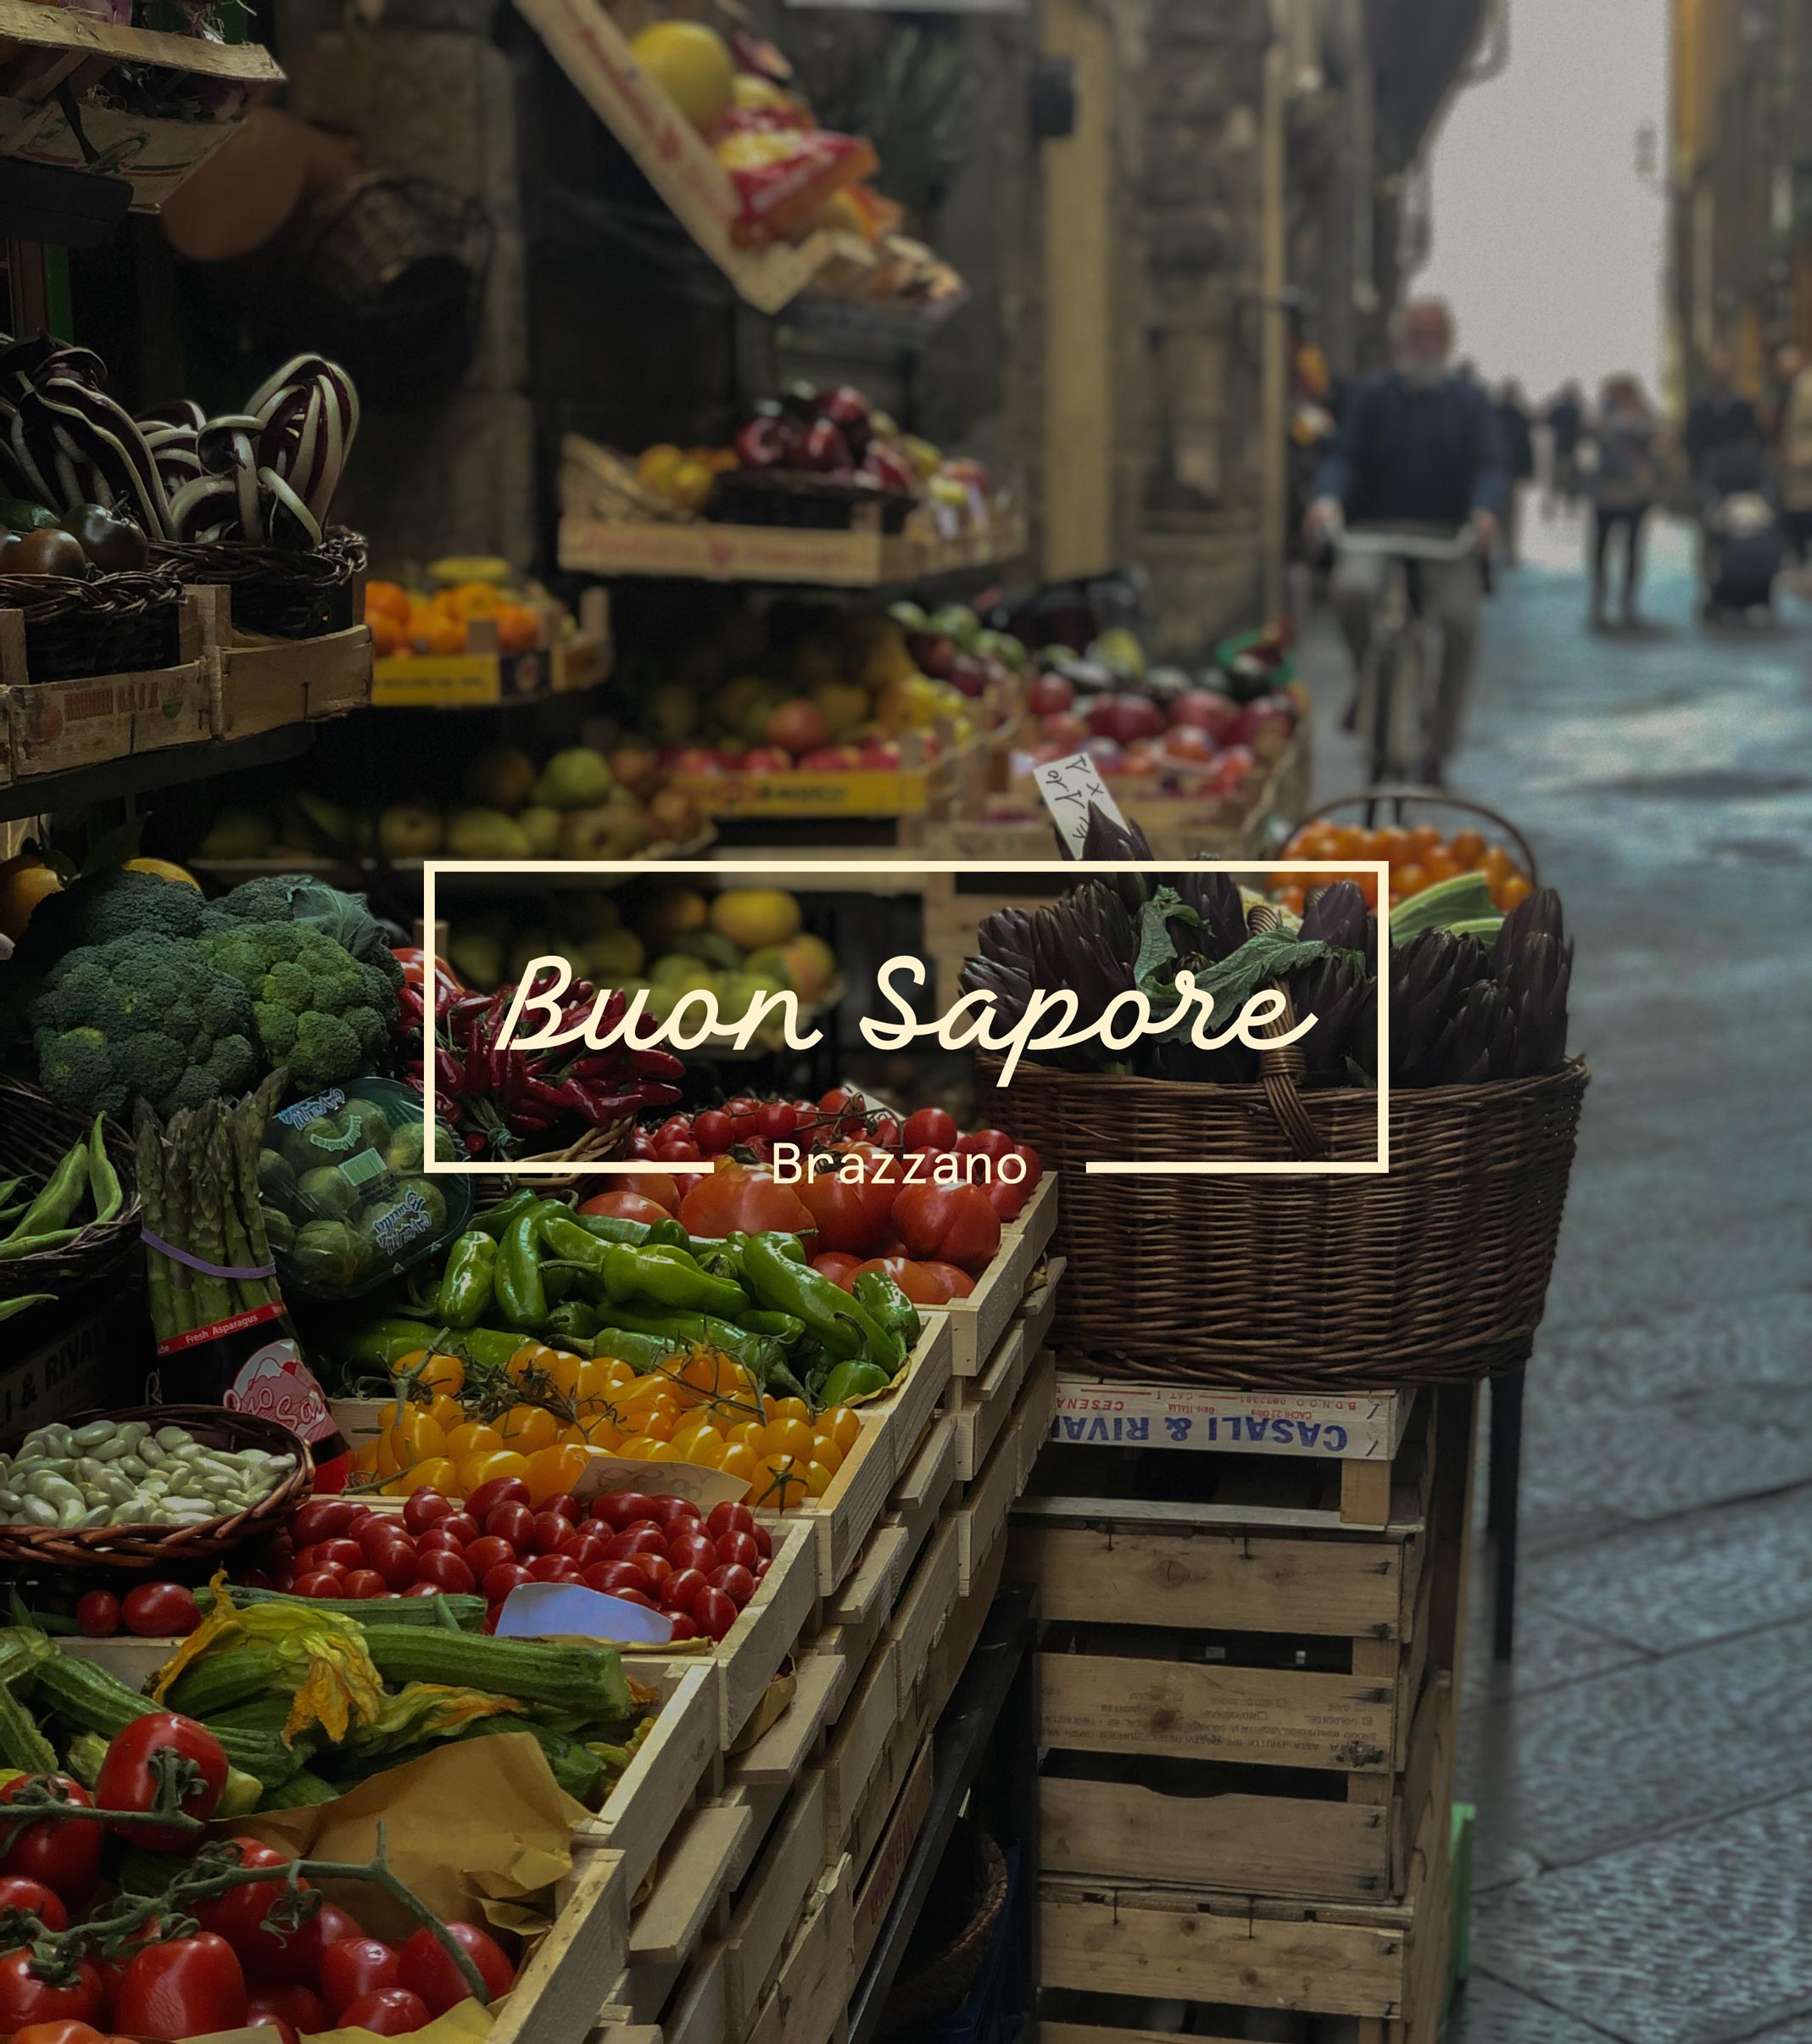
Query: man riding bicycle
pixel 1418 448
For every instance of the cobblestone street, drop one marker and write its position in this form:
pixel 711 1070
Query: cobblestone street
pixel 1643 1765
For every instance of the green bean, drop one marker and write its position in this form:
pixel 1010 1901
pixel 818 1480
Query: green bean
pixel 9 1307
pixel 60 1199
pixel 109 1195
pixel 18 1244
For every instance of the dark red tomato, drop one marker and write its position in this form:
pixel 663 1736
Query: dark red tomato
pixel 838 1266
pixel 762 1568
pixel 462 1525
pixel 130 1778
pixel 917 1281
pixel 612 1579
pixel 268 2019
pixel 777 1119
pixel 437 1540
pixel 712 1133
pixel 497 1583
pixel 365 1583
pixel 618 1509
pixel 300 2007
pixel 160 1610
pixel 851 1214
pixel 567 1506
pixel 279 1551
pixel 763 1540
pixel 994 1144
pixel 440 1569
pixel 681 1622
pixel 98 1614
pixel 588 1549
pixel 637 1596
pixel 356 1966
pixel 726 1518
pixel 647 1540
pixel 1008 1200
pixel 321 1582
pixel 951 1224
pixel 555 1568
pixel 423 1589
pixel 342 1553
pixel 330 1924
pixel 652 1185
pixel 500 1490
pixel 428 1968
pixel 321 1519
pixel 655 1569
pixel 398 1562
pixel 739 1547
pixel 930 1129
pixel 376 1534
pixel 486 1553
pixel 844 1107
pixel 713 1612
pixel 551 1535
pixel 238 1916
pixel 621 1205
pixel 692 1550
pixel 676 1126
pixel 735 1581
pixel 390 2011
pixel 25 1999
pixel 511 1521
pixel 677 1150
pixel 16 1892
pixel 958 1283
pixel 672 1512
pixel 182 1989
pixel 680 1588
pixel 885 1133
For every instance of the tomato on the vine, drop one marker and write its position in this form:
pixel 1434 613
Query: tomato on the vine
pixel 929 1128
pixel 735 1200
pixel 621 1205
pixel 385 2012
pixel 950 1224
pixel 133 1773
pixel 299 2006
pixel 66 1856
pixel 355 1966
pixel 238 1915
pixel 181 1988
pixel 26 1997
pixel 34 1899
pixel 428 1969
pixel 777 1121
pixel 713 1132
pixel 851 1214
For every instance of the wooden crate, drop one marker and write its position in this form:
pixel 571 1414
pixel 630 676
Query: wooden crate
pixel 978 1322
pixel 52 726
pixel 981 1518
pixel 256 684
pixel 767 1631
pixel 569 1972
pixel 980 1406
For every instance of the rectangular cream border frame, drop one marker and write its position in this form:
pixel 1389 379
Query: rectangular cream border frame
pixel 1373 1167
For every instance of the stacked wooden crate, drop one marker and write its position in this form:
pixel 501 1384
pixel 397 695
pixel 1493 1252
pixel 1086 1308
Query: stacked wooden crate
pixel 764 1908
pixel 1246 1698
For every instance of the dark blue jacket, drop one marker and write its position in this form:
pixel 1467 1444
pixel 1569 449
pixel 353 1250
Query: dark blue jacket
pixel 1407 457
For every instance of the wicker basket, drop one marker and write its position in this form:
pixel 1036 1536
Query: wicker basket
pixel 35 1134
pixel 103 624
pixel 951 1943
pixel 494 1187
pixel 143 1548
pixel 767 496
pixel 282 592
pixel 1433 1272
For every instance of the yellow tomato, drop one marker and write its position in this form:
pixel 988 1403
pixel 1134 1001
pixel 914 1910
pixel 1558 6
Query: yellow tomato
pixel 388 1462
pixel 657 1422
pixel 446 1412
pixel 662 1451
pixel 788 1437
pixel 740 1460
pixel 704 1448
pixel 778 1483
pixel 527 1428
pixel 437 1373
pixel 639 1447
pixel 788 1409
pixel 472 1438
pixel 842 1424
pixel 824 1450
pixel 415 1437
pixel 818 1478
pixel 580 1377
pixel 747 1434
pixel 487 1465
pixel 603 1431
pixel 364 1457
pixel 552 1471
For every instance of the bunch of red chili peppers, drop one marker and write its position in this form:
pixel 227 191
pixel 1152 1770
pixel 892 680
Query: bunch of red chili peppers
pixel 505 1102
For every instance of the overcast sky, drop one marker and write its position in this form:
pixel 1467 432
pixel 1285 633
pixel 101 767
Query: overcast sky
pixel 1547 241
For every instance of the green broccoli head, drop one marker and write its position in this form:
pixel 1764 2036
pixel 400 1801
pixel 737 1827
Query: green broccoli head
pixel 235 1064
pixel 106 906
pixel 326 1052
pixel 81 992
pixel 195 1088
pixel 373 1033
pixel 286 985
pixel 276 1029
pixel 151 1066
pixel 77 1066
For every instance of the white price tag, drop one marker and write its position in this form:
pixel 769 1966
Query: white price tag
pixel 1068 787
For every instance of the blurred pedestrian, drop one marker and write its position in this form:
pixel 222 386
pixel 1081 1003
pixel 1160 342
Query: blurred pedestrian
pixel 1623 482
pixel 1793 451
pixel 1519 440
pixel 1565 421
pixel 1720 421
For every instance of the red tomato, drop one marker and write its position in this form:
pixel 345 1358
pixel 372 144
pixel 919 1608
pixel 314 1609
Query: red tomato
pixel 614 1577
pixel 734 1200
pixel 438 1540
pixel 839 1267
pixel 672 1513
pixel 341 1552
pixel 388 2012
pixel 621 1205
pixel 300 2007
pixel 693 1549
pixel 511 1521
pixel 486 1553
pixel 66 2032
pixel 726 1518
pixel 677 1150
pixel 682 1623
pixel 713 1132
pixel 330 1923
pixel 16 1892
pixel 637 1596
pixel 130 1779
pixel 365 1583
pixel 1008 1200
pixel 462 1525
pixel 950 1224
pixel 428 1968
pixel 555 1568
pixel 654 1570
pixel 759 1533
pixel 777 1119
pixel 713 1612
pixel 645 1540
pixel 737 1547
pixel 440 1569
pixel 500 1490
pixel 238 1916
pixel 355 1966
pixel 423 1508
pixel 680 1588
pixel 656 1185
pixel 618 1509
pixel 567 1506
pixel 551 1535
pixel 914 1279
pixel 160 1610
pixel 930 1129
pixel 182 1989
pixel 321 1519
pixel 960 1283
pixel 497 1583
pixel 845 1108
pixel 25 2000
pixel 319 1582
pixel 885 1133
pixel 852 1215
pixel 98 1614
pixel 588 1549
pixel 397 1562
pixel 735 1581
pixel 991 1143
pixel 423 1589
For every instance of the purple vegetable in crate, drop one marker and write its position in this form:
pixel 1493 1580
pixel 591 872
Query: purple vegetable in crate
pixel 99 442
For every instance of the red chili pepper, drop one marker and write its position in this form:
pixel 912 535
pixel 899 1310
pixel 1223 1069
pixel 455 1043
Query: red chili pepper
pixel 656 1064
pixel 651 1093
pixel 596 1065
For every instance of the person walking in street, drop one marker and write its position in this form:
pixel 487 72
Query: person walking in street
pixel 1519 440
pixel 1623 482
pixel 1721 421
pixel 1565 421
pixel 1417 447
pixel 1793 452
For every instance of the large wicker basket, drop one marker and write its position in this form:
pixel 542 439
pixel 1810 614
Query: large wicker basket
pixel 1434 1272
pixel 35 1134
pixel 76 626
pixel 282 592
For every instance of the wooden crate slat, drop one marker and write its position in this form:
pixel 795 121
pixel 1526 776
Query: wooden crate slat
pixel 775 1898
pixel 768 1628
pixel 776 1757
pixel 656 1787
pixel 978 1322
pixel 557 1994
pixel 694 1873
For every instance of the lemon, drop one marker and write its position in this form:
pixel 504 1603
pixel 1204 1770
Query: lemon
pixel 753 917
pixel 165 869
pixel 691 64
pixel 20 891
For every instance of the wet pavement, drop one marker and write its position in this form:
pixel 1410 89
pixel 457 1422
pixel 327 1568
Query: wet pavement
pixel 1643 1765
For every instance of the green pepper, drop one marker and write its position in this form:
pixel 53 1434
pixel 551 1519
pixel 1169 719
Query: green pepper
pixel 642 1352
pixel 467 1283
pixel 382 1344
pixel 634 1234
pixel 562 1236
pixel 780 1382
pixel 786 1328
pixel 843 1324
pixel 671 1278
pixel 686 1329
pixel 890 1305
pixel 60 1199
pixel 853 1380
pixel 521 1294
pixel 109 1195
pixel 573 1322
pixel 497 1220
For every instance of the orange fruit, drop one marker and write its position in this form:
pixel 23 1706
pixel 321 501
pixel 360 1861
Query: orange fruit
pixel 1392 842
pixel 21 889
pixel 1466 848
pixel 386 600
pixel 787 1436
pixel 824 1450
pixel 704 1448
pixel 1439 867
pixel 486 1465
pixel 444 1375
pixel 788 1409
pixel 1349 842
pixel 526 1428
pixel 552 1471
pixel 1514 889
pixel 604 1432
pixel 414 1438
pixel 748 1434
pixel 473 1438
pixel 1408 880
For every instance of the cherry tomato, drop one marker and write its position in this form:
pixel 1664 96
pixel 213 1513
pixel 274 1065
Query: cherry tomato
pixel 130 1775
pixel 763 1539
pixel 17 1892
pixel 654 1570
pixel 843 1105
pixel 692 1550
pixel 674 1126
pixel 735 1581
pixel 673 1512
pixel 885 1133
pixel 319 1582
pixel 462 1525
pixel 646 1540
pixel 437 1540
pixel 567 1506
pixel 438 1570
pixel 25 2000
pixel 588 1549
pixel 356 1966
pixel 682 1623
pixel 680 1588
pixel 552 1534
pixel 930 1129
pixel 613 1578
pixel 330 1923
pixel 511 1521
pixel 386 2011
pixel 1008 1200
pixel 341 1552
pixel 181 1988
pixel 713 1612
pixel 677 1151
pixel 300 2007
pixel 66 2032
pixel 423 1508
pixel 738 1548
pixel 713 1132
pixel 238 1916
pixel 429 1969
pixel 500 1490
pixel 98 1614
pixel 497 1583
pixel 618 1509
pixel 423 1589
pixel 365 1583
pixel 398 1562
pixel 487 1553
pixel 777 1119
pixel 321 1519
pixel 727 1518
pixel 160 1610
pixel 637 1596
pixel 268 2019
pixel 555 1568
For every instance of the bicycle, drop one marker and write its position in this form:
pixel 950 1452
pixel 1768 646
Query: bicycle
pixel 1392 714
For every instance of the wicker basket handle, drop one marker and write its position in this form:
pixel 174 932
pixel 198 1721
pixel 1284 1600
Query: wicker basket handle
pixel 1280 1070
pixel 1442 799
